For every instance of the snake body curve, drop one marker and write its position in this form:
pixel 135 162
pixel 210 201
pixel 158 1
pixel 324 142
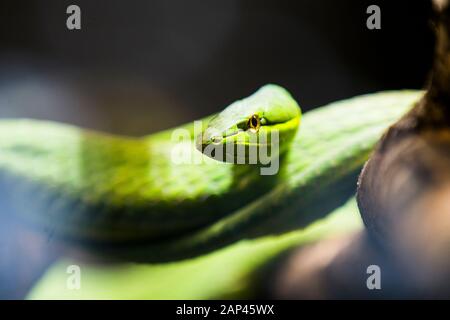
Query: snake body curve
pixel 126 197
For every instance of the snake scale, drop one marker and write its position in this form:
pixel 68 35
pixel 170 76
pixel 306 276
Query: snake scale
pixel 125 197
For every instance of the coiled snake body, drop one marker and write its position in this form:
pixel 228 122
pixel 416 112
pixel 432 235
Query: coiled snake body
pixel 128 198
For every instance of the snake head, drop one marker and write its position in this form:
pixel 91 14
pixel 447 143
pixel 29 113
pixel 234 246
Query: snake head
pixel 252 130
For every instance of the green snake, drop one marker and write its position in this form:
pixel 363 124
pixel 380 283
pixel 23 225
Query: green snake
pixel 132 199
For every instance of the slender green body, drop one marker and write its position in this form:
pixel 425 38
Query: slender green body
pixel 322 152
pixel 236 271
pixel 127 198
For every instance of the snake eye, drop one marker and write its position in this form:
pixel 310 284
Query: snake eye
pixel 254 122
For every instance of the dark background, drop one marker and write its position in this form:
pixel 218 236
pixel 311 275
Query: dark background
pixel 140 66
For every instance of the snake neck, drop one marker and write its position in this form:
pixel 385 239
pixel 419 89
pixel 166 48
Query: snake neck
pixel 252 175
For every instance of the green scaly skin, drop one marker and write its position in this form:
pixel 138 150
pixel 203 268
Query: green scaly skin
pixel 127 198
pixel 233 272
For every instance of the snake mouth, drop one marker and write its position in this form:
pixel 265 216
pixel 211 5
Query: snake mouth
pixel 235 138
